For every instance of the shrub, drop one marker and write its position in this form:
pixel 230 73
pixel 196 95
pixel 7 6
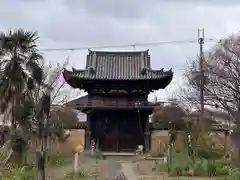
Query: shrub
pixel 211 169
pixel 217 169
pixel 234 174
pixel 17 174
pixel 210 153
pixel 99 155
pixel 207 148
pixel 177 171
pixel 186 167
pixel 56 159
pixel 223 171
pixel 18 140
pixel 75 176
pixel 202 168
pixel 178 151
pixel 224 162
pixel 199 169
pixel 180 170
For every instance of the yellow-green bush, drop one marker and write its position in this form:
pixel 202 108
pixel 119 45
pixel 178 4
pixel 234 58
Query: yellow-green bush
pixel 206 148
pixel 17 174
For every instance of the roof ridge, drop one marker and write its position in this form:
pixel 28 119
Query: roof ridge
pixel 158 71
pixel 74 70
pixel 117 52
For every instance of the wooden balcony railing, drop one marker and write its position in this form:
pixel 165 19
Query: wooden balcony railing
pixel 116 104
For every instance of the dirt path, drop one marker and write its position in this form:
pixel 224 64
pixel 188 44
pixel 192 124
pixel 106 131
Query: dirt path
pixel 58 172
pixel 128 171
pixel 108 167
pixel 104 169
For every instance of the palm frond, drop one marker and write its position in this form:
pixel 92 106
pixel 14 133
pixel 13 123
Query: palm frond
pixel 24 41
pixel 5 44
pixel 36 71
pixel 19 41
pixel 21 69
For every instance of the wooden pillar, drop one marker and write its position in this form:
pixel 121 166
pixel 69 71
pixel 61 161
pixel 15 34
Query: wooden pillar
pixel 147 135
pixel 88 133
pixel 117 134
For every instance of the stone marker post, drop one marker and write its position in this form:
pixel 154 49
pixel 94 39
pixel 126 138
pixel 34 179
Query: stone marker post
pixel 75 162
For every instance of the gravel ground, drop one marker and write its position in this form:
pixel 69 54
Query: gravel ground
pixel 105 168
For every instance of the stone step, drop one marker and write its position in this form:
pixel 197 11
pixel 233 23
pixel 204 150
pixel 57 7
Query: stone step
pixel 118 154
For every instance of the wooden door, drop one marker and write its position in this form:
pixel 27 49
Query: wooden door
pixel 110 137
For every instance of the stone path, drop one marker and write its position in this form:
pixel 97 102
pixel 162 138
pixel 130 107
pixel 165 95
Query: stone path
pixel 88 165
pixel 110 167
pixel 127 170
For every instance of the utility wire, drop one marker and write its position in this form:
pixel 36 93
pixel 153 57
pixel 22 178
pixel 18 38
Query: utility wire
pixel 158 43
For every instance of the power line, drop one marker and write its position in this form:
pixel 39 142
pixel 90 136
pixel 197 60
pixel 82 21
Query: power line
pixel 130 45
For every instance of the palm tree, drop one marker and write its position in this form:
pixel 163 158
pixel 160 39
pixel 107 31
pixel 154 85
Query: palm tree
pixel 21 71
pixel 21 83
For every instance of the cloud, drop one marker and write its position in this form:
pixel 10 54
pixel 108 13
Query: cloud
pixel 208 2
pixel 107 23
pixel 78 23
pixel 133 9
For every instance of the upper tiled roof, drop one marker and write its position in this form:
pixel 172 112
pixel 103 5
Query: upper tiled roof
pixel 119 66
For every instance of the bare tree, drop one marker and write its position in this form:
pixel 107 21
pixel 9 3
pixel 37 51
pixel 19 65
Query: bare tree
pixel 53 79
pixel 222 77
pixel 60 93
pixel 222 81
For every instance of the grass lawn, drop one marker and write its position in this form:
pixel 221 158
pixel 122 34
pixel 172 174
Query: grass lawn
pixel 179 159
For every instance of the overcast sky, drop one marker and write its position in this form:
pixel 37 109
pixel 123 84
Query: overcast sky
pixel 84 23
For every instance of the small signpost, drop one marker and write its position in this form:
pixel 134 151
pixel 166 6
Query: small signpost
pixel 78 150
pixel 75 163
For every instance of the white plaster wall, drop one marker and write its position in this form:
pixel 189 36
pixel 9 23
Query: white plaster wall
pixel 159 133
pixel 82 117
